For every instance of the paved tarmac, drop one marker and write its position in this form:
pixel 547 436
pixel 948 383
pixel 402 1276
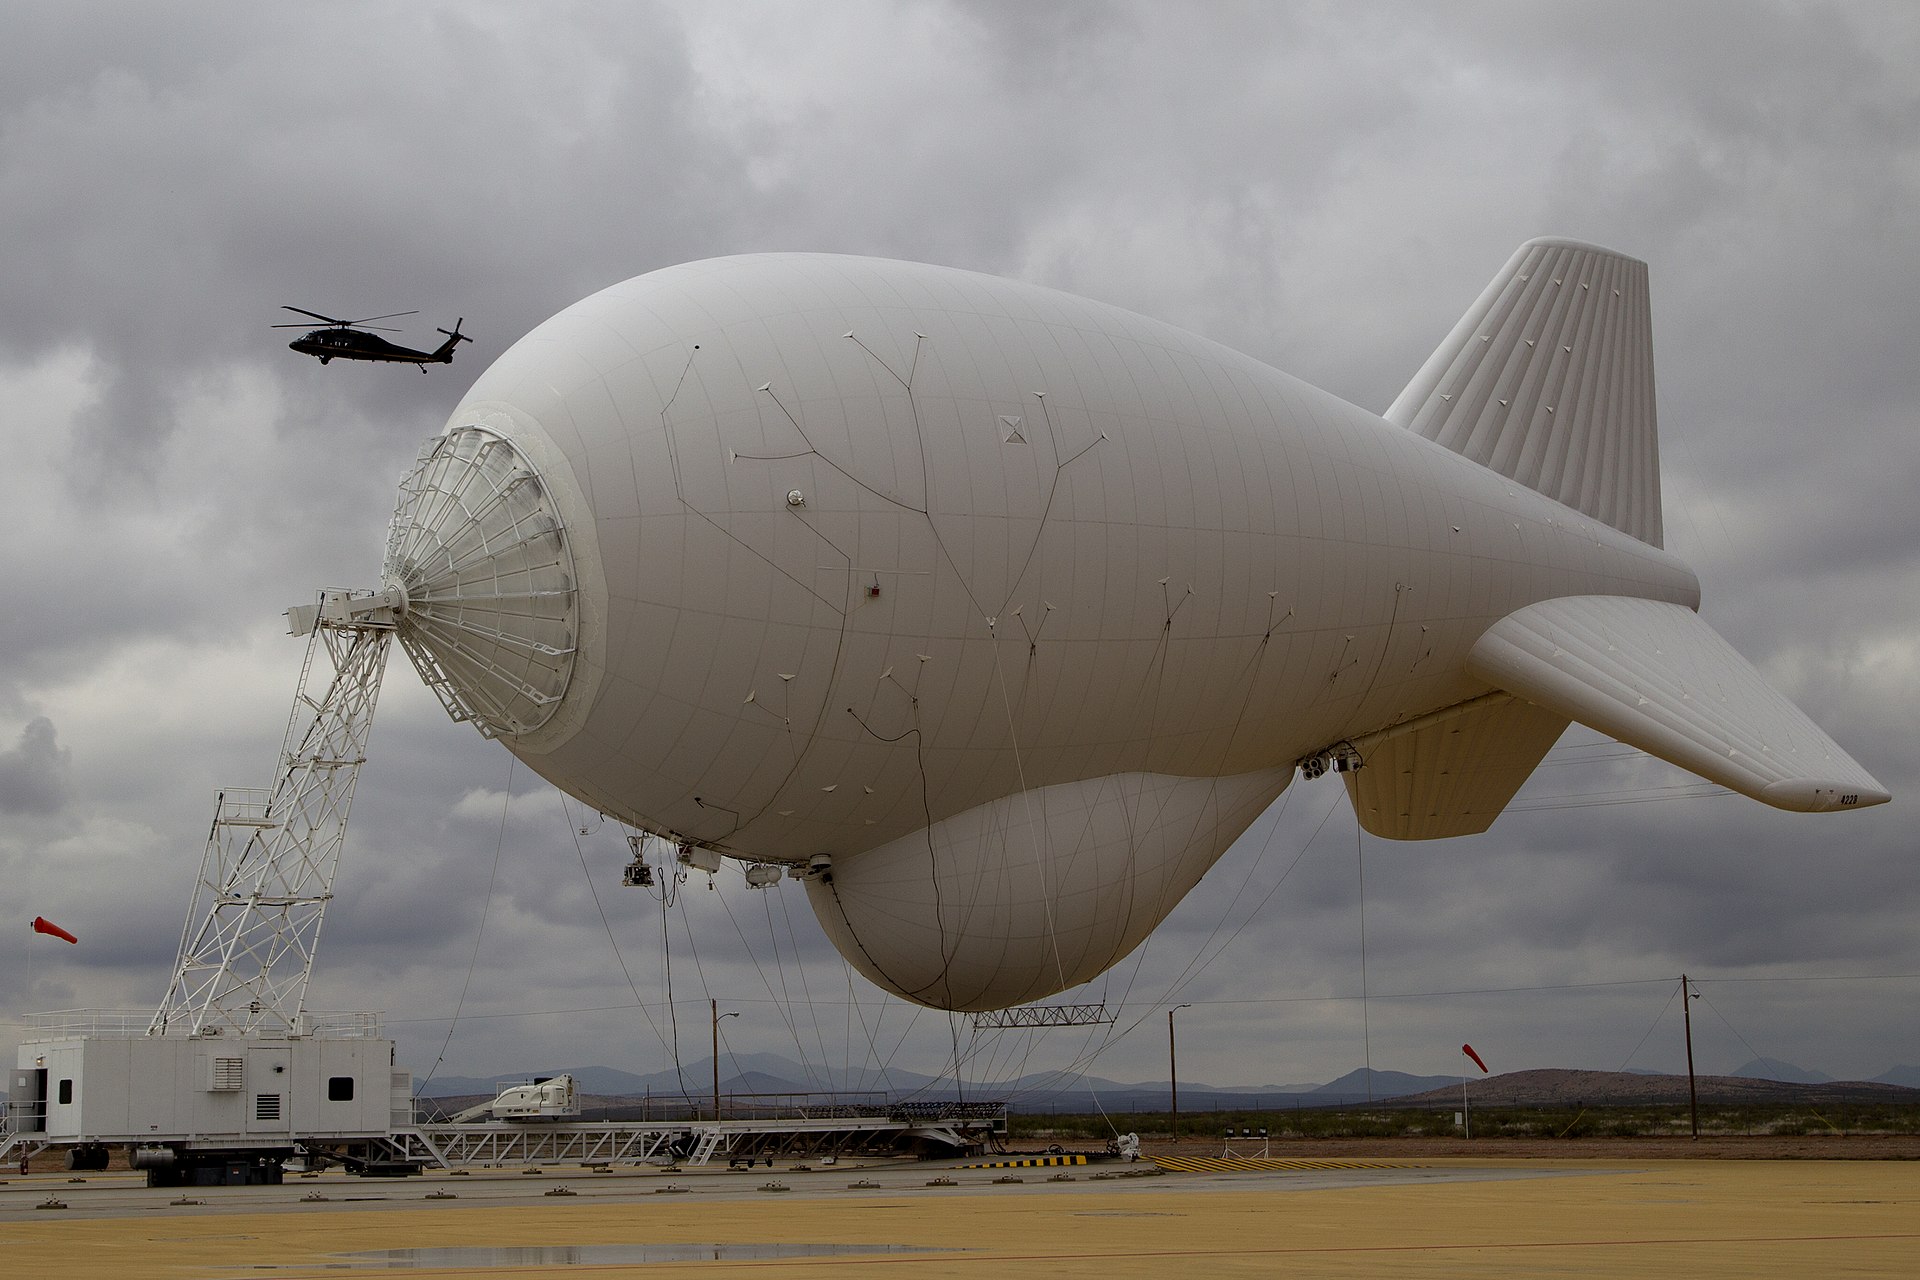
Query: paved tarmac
pixel 1481 1218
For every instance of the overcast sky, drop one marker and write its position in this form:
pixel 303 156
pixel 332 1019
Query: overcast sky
pixel 1325 187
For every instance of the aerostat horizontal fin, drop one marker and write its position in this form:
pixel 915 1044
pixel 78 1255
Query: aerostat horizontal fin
pixel 1655 676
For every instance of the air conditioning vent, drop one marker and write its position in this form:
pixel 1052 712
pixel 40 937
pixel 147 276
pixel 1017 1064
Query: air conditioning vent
pixel 225 1075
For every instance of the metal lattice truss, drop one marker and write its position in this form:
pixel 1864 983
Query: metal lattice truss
pixel 454 1146
pixel 1043 1015
pixel 247 950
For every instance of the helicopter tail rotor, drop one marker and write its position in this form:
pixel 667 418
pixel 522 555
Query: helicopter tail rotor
pixel 454 338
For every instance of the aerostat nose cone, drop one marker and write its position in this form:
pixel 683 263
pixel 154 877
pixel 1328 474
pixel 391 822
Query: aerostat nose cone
pixel 491 615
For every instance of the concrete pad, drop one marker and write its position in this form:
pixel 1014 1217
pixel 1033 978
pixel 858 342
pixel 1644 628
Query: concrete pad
pixel 1479 1218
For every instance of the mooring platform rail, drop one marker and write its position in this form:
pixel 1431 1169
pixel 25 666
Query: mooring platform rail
pixel 950 1130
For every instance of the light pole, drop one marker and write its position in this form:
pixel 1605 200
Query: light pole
pixel 717 1015
pixel 1173 1069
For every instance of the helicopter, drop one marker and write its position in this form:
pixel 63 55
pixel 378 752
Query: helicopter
pixel 345 340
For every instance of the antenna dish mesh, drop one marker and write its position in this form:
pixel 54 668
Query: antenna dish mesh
pixel 490 618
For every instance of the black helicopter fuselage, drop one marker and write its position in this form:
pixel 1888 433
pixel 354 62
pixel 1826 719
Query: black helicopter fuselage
pixel 354 344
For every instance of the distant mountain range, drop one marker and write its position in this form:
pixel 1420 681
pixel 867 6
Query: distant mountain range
pixel 773 1076
pixel 1561 1088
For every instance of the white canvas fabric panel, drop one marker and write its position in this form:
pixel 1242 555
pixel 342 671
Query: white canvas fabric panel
pixel 1030 894
pixel 1548 380
pixel 1454 777
pixel 1657 677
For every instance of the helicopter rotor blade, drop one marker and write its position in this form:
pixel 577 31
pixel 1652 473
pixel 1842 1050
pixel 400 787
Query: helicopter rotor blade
pixel 391 315
pixel 364 328
pixel 316 315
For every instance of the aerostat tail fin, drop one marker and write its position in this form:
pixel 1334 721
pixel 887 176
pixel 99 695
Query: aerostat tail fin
pixel 1548 380
pixel 1655 676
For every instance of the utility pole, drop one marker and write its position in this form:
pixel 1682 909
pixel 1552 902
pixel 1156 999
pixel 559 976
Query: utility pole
pixel 1686 1008
pixel 717 1015
pixel 1173 1069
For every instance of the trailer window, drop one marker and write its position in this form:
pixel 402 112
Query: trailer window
pixel 339 1088
pixel 66 1093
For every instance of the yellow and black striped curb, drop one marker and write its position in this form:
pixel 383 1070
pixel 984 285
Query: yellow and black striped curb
pixel 1250 1164
pixel 1032 1162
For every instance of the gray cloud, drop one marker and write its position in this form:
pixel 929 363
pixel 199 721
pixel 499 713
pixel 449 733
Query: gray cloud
pixel 1326 188
pixel 34 775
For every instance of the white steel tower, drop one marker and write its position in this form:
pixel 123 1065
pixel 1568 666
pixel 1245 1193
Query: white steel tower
pixel 247 948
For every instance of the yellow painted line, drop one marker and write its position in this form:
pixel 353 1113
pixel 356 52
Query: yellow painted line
pixel 1250 1164
pixel 1033 1162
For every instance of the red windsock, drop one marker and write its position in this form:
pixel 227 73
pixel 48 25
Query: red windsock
pixel 1468 1050
pixel 43 925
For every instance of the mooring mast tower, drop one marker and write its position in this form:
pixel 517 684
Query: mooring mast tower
pixel 248 944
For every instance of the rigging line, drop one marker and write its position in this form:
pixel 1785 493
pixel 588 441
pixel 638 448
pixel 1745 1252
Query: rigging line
pixel 812 449
pixel 1179 988
pixel 1399 589
pixel 1131 819
pixel 1046 508
pixel 1176 991
pixel 933 855
pixel 1671 996
pixel 781 1006
pixel 1708 791
pixel 799 753
pixel 1457 991
pixel 1695 785
pixel 1239 895
pixel 1036 835
pixel 800 967
pixel 991 1045
pixel 1827 977
pixel 566 815
pixel 499 844
pixel 732 1057
pixel 1250 678
pixel 669 876
pixel 953 1034
pixel 846 1028
pixel 1366 1026
pixel 1729 1025
pixel 1000 1068
pixel 888 1058
pixel 559 1011
pixel 686 927
pixel 699 972
pixel 1597 753
pixel 1111 1126
pixel 855 1009
pixel 1110 1033
pixel 912 1021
